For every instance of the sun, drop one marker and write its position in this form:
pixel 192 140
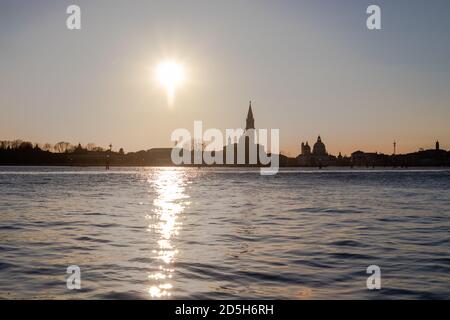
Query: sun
pixel 171 75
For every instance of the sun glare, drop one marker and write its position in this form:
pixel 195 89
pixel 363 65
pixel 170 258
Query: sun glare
pixel 170 75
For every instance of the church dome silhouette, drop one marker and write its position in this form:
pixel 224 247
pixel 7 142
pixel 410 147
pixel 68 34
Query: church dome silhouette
pixel 319 147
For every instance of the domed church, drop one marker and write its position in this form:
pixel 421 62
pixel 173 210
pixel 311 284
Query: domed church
pixel 318 157
pixel 319 148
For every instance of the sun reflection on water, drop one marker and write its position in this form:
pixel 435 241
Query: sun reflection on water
pixel 169 204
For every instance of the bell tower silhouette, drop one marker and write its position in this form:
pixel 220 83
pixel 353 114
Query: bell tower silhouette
pixel 250 120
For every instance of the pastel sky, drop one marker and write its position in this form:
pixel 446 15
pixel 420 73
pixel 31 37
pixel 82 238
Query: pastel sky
pixel 309 67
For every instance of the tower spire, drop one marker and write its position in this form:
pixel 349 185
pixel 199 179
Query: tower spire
pixel 250 122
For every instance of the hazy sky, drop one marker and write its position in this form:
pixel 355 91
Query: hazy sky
pixel 309 67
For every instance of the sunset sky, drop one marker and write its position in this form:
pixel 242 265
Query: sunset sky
pixel 309 67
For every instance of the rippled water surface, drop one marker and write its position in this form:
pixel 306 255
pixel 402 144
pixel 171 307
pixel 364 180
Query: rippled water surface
pixel 158 233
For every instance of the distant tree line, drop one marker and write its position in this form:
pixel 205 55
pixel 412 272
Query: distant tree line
pixel 60 147
pixel 19 152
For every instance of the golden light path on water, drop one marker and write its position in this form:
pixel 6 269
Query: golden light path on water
pixel 169 204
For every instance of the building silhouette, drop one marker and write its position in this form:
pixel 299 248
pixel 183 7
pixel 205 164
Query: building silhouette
pixel 250 121
pixel 319 148
pixel 305 149
pixel 317 158
pixel 246 150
